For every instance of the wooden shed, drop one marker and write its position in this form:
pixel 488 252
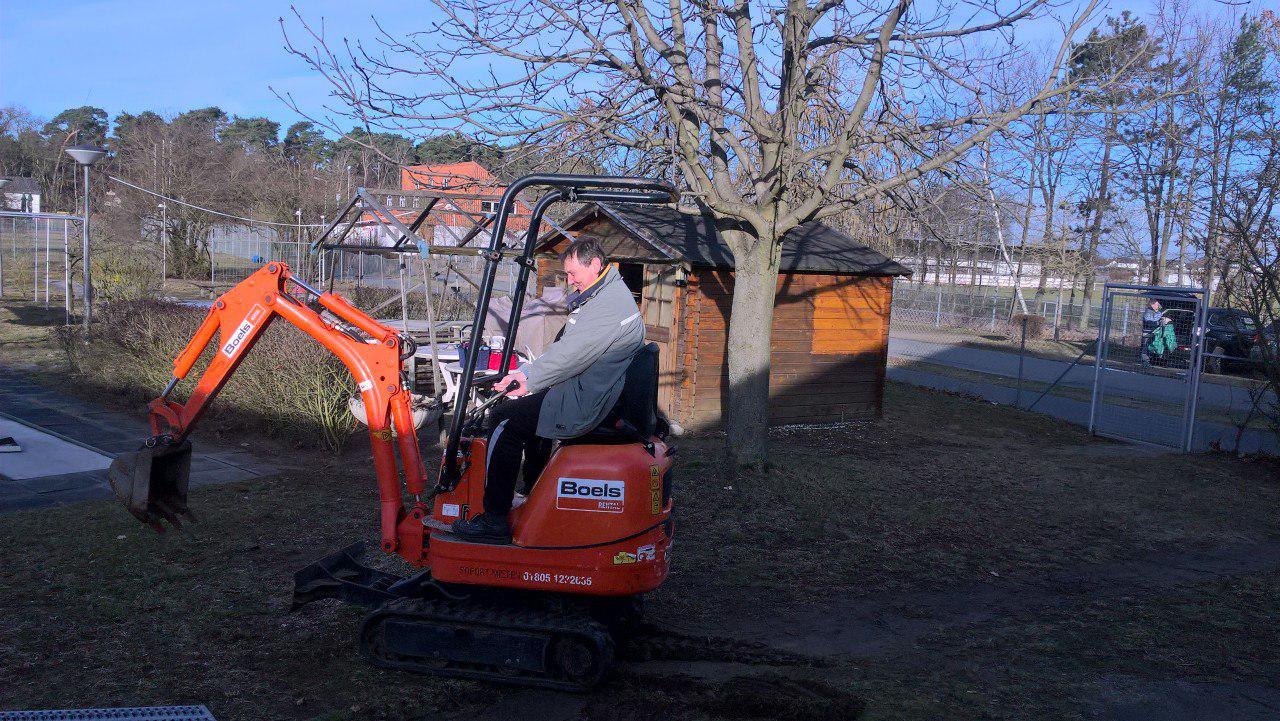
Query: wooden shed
pixel 830 322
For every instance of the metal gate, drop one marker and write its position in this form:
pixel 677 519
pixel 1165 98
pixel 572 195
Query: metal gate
pixel 1147 365
pixel 36 256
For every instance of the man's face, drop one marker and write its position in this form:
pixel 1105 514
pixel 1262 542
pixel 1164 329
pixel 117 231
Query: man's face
pixel 581 274
pixel 1155 305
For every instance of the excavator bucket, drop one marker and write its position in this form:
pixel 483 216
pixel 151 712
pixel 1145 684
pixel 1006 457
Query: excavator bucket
pixel 152 483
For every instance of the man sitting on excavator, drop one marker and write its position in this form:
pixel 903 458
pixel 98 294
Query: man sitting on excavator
pixel 563 393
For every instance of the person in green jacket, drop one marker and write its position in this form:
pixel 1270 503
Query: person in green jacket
pixel 1163 339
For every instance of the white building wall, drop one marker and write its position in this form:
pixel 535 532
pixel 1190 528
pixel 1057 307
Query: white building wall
pixel 20 201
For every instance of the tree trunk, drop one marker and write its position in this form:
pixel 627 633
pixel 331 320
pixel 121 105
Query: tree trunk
pixel 1095 228
pixel 746 420
pixel 1043 284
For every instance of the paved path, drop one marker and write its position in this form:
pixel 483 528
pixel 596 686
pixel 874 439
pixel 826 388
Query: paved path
pixel 1157 424
pixel 1152 426
pixel 66 429
pixel 1127 383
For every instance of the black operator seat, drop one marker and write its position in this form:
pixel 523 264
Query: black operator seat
pixel 635 417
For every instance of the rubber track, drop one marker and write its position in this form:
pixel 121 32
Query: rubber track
pixel 654 643
pixel 471 613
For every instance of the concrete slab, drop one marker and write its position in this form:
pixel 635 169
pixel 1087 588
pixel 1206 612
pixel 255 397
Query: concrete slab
pixel 214 473
pixel 76 429
pixel 63 482
pixel 241 459
pixel 45 455
pixel 99 492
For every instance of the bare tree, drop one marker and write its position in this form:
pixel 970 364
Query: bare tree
pixel 1234 107
pixel 745 100
pixel 1252 229
pixel 1157 136
pixel 1103 64
pixel 179 158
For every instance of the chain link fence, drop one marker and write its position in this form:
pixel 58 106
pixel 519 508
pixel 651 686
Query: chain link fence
pixel 929 309
pixel 39 257
pixel 978 342
pixel 1147 369
pixel 236 252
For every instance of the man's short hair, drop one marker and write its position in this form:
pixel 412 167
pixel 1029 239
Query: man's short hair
pixel 584 251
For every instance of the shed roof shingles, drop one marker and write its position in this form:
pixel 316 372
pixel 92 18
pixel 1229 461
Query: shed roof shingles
pixel 812 247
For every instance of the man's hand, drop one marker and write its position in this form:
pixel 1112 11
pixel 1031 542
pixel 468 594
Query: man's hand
pixel 513 385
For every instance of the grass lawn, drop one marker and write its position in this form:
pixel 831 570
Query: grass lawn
pixel 954 560
pixel 26 341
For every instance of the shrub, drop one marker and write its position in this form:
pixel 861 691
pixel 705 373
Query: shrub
pixel 451 305
pixel 288 387
pixel 120 275
pixel 69 339
pixel 1035 326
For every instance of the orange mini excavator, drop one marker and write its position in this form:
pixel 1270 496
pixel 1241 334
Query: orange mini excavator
pixel 593 536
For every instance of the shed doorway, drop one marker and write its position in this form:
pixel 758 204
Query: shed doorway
pixel 658 306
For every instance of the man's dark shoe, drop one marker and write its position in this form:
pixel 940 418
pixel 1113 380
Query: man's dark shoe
pixel 484 527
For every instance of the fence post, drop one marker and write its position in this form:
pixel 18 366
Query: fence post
pixel 48 264
pixel 937 314
pixel 995 300
pixel 1022 355
pixel 66 272
pixel 1124 322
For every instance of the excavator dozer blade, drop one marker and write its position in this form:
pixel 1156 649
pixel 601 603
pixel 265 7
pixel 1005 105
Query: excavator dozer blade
pixel 152 483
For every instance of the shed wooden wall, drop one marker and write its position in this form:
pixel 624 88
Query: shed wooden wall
pixel 829 347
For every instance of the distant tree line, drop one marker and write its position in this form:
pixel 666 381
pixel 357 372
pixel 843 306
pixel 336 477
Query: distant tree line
pixel 243 166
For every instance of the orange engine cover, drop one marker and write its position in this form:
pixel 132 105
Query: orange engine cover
pixel 597 522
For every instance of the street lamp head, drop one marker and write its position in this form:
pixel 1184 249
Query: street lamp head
pixel 86 154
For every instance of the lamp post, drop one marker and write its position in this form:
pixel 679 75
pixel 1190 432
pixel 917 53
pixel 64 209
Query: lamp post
pixel 86 156
pixel 164 243
pixel 4 205
pixel 322 268
pixel 297 237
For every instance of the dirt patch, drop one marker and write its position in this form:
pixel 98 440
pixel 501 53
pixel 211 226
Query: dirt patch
pixel 995 564
pixel 740 697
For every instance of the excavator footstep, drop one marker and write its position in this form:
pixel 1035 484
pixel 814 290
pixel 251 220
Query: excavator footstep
pixel 152 483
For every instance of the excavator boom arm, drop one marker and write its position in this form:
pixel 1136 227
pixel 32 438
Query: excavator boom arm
pixel 238 318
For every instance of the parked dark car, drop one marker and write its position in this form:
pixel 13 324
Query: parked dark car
pixel 1229 341
pixel 1268 339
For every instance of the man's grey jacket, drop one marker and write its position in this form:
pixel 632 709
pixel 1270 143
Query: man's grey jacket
pixel 584 370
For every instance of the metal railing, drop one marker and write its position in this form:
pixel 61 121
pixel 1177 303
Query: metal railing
pixel 37 255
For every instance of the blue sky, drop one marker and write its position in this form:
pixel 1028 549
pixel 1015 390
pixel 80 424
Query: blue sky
pixel 175 55
pixel 171 55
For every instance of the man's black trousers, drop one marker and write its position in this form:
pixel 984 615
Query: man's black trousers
pixel 515 434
